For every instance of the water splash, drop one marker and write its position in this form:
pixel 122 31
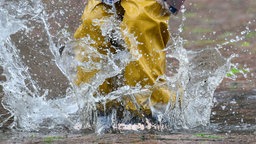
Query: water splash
pixel 193 80
pixel 23 97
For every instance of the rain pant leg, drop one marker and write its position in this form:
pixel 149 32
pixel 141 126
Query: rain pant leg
pixel 93 10
pixel 148 22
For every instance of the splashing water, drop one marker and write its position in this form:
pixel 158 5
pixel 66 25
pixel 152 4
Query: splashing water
pixel 23 97
pixel 193 82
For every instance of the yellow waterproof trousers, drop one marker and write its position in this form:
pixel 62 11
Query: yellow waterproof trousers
pixel 148 22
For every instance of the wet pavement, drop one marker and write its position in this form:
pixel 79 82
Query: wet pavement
pixel 138 138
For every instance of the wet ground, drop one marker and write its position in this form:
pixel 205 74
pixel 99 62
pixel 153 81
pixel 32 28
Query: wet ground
pixel 138 138
pixel 208 23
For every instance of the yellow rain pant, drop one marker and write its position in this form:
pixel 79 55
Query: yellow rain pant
pixel 146 20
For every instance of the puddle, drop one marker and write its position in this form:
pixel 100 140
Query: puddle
pixel 37 84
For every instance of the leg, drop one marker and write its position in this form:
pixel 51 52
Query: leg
pixel 146 20
pixel 94 10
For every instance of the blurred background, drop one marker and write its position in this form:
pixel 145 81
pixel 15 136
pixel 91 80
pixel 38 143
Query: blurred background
pixel 212 22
